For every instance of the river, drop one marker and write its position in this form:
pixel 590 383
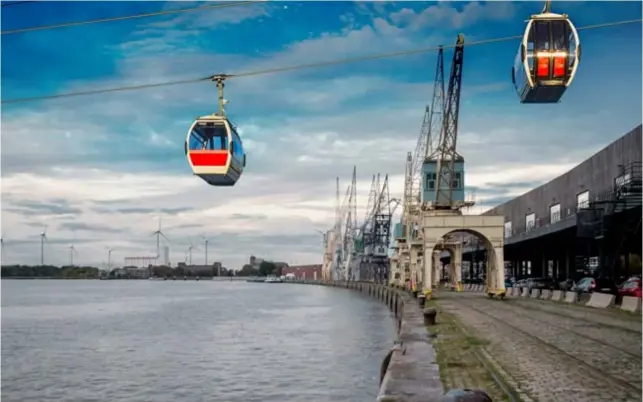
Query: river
pixel 169 341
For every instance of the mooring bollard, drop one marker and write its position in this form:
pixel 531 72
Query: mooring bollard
pixel 421 300
pixel 466 395
pixel 429 316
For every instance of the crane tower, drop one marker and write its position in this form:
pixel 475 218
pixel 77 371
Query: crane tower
pixel 443 169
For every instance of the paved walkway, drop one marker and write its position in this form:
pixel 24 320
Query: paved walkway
pixel 552 352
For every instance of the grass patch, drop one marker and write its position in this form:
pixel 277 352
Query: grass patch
pixel 459 367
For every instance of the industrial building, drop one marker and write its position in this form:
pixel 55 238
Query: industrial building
pixel 584 222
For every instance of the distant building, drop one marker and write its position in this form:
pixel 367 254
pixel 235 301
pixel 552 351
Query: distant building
pixel 255 262
pixel 303 271
pixel 132 272
pixel 166 255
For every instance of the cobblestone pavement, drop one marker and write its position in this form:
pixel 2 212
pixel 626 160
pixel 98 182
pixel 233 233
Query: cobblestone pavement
pixel 618 336
pixel 543 358
pixel 604 317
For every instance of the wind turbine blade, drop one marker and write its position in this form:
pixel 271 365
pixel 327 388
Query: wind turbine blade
pixel 165 237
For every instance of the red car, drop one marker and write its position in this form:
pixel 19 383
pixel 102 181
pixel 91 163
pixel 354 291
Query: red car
pixel 631 287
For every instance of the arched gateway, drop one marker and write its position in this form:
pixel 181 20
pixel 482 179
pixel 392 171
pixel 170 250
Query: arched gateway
pixel 490 229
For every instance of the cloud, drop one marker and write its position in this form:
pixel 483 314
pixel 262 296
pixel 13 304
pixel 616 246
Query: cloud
pixel 55 207
pixel 117 162
pixel 79 226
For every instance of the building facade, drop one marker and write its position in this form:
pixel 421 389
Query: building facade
pixel 313 272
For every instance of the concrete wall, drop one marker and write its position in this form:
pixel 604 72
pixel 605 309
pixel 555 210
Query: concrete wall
pixel 409 372
pixel 595 174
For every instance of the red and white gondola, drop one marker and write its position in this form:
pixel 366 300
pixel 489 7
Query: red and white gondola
pixel 214 149
pixel 547 59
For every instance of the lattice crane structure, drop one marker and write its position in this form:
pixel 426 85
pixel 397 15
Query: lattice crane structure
pixel 374 236
pixel 434 195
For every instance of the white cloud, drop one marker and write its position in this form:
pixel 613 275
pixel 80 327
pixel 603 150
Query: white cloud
pixel 117 164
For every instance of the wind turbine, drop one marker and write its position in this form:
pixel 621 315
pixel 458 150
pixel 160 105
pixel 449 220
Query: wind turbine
pixel 205 240
pixel 190 252
pixel 158 234
pixel 43 238
pixel 72 251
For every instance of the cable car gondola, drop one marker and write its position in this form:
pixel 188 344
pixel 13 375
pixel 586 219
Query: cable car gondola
pixel 214 149
pixel 547 59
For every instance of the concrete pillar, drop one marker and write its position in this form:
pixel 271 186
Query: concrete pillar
pixel 428 269
pixel 437 269
pixel 456 261
pixel 497 284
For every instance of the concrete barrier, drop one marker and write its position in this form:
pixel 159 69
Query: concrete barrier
pixel 517 292
pixel 525 292
pixel 545 294
pixel 409 372
pixel 557 295
pixel 535 293
pixel 570 297
pixel 600 300
pixel 631 304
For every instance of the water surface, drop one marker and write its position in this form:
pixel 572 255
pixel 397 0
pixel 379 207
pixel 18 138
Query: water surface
pixel 170 341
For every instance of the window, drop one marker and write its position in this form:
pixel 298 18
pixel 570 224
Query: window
pixel 554 213
pixel 582 200
pixel 507 229
pixel 622 180
pixel 530 221
pixel 237 147
pixel 430 181
pixel 621 183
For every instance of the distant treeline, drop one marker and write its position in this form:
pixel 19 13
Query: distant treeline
pixel 165 271
pixel 266 268
pixel 48 271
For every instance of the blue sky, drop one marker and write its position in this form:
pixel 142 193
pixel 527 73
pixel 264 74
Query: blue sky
pixel 99 170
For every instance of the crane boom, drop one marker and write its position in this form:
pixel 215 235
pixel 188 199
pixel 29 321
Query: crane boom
pixel 448 176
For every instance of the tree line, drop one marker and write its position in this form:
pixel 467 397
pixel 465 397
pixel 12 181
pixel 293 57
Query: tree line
pixel 266 268
pixel 49 271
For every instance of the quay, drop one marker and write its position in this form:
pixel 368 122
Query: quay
pixel 531 347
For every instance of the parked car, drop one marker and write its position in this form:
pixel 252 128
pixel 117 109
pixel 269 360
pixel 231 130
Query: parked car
pixel 590 285
pixel 566 285
pixel 631 287
pixel 540 283
pixel 520 283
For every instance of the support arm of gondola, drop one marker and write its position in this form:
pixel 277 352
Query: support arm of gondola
pixel 219 79
pixel 547 8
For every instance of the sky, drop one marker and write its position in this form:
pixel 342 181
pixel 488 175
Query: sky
pixel 99 171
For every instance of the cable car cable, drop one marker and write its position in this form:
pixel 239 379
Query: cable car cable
pixel 126 17
pixel 17 3
pixel 295 67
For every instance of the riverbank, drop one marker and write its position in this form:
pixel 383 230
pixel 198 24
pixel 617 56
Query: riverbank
pixel 410 372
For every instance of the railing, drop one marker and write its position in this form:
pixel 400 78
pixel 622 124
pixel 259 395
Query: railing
pixel 605 200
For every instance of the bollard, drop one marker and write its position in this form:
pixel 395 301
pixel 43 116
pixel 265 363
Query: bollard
pixel 421 300
pixel 429 316
pixel 466 395
pixel 415 294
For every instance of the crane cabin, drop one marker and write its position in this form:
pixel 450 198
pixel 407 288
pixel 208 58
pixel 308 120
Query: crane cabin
pixel 430 182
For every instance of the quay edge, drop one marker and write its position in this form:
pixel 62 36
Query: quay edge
pixel 410 372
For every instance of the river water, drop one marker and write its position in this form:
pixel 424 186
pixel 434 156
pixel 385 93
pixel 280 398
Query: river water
pixel 189 341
